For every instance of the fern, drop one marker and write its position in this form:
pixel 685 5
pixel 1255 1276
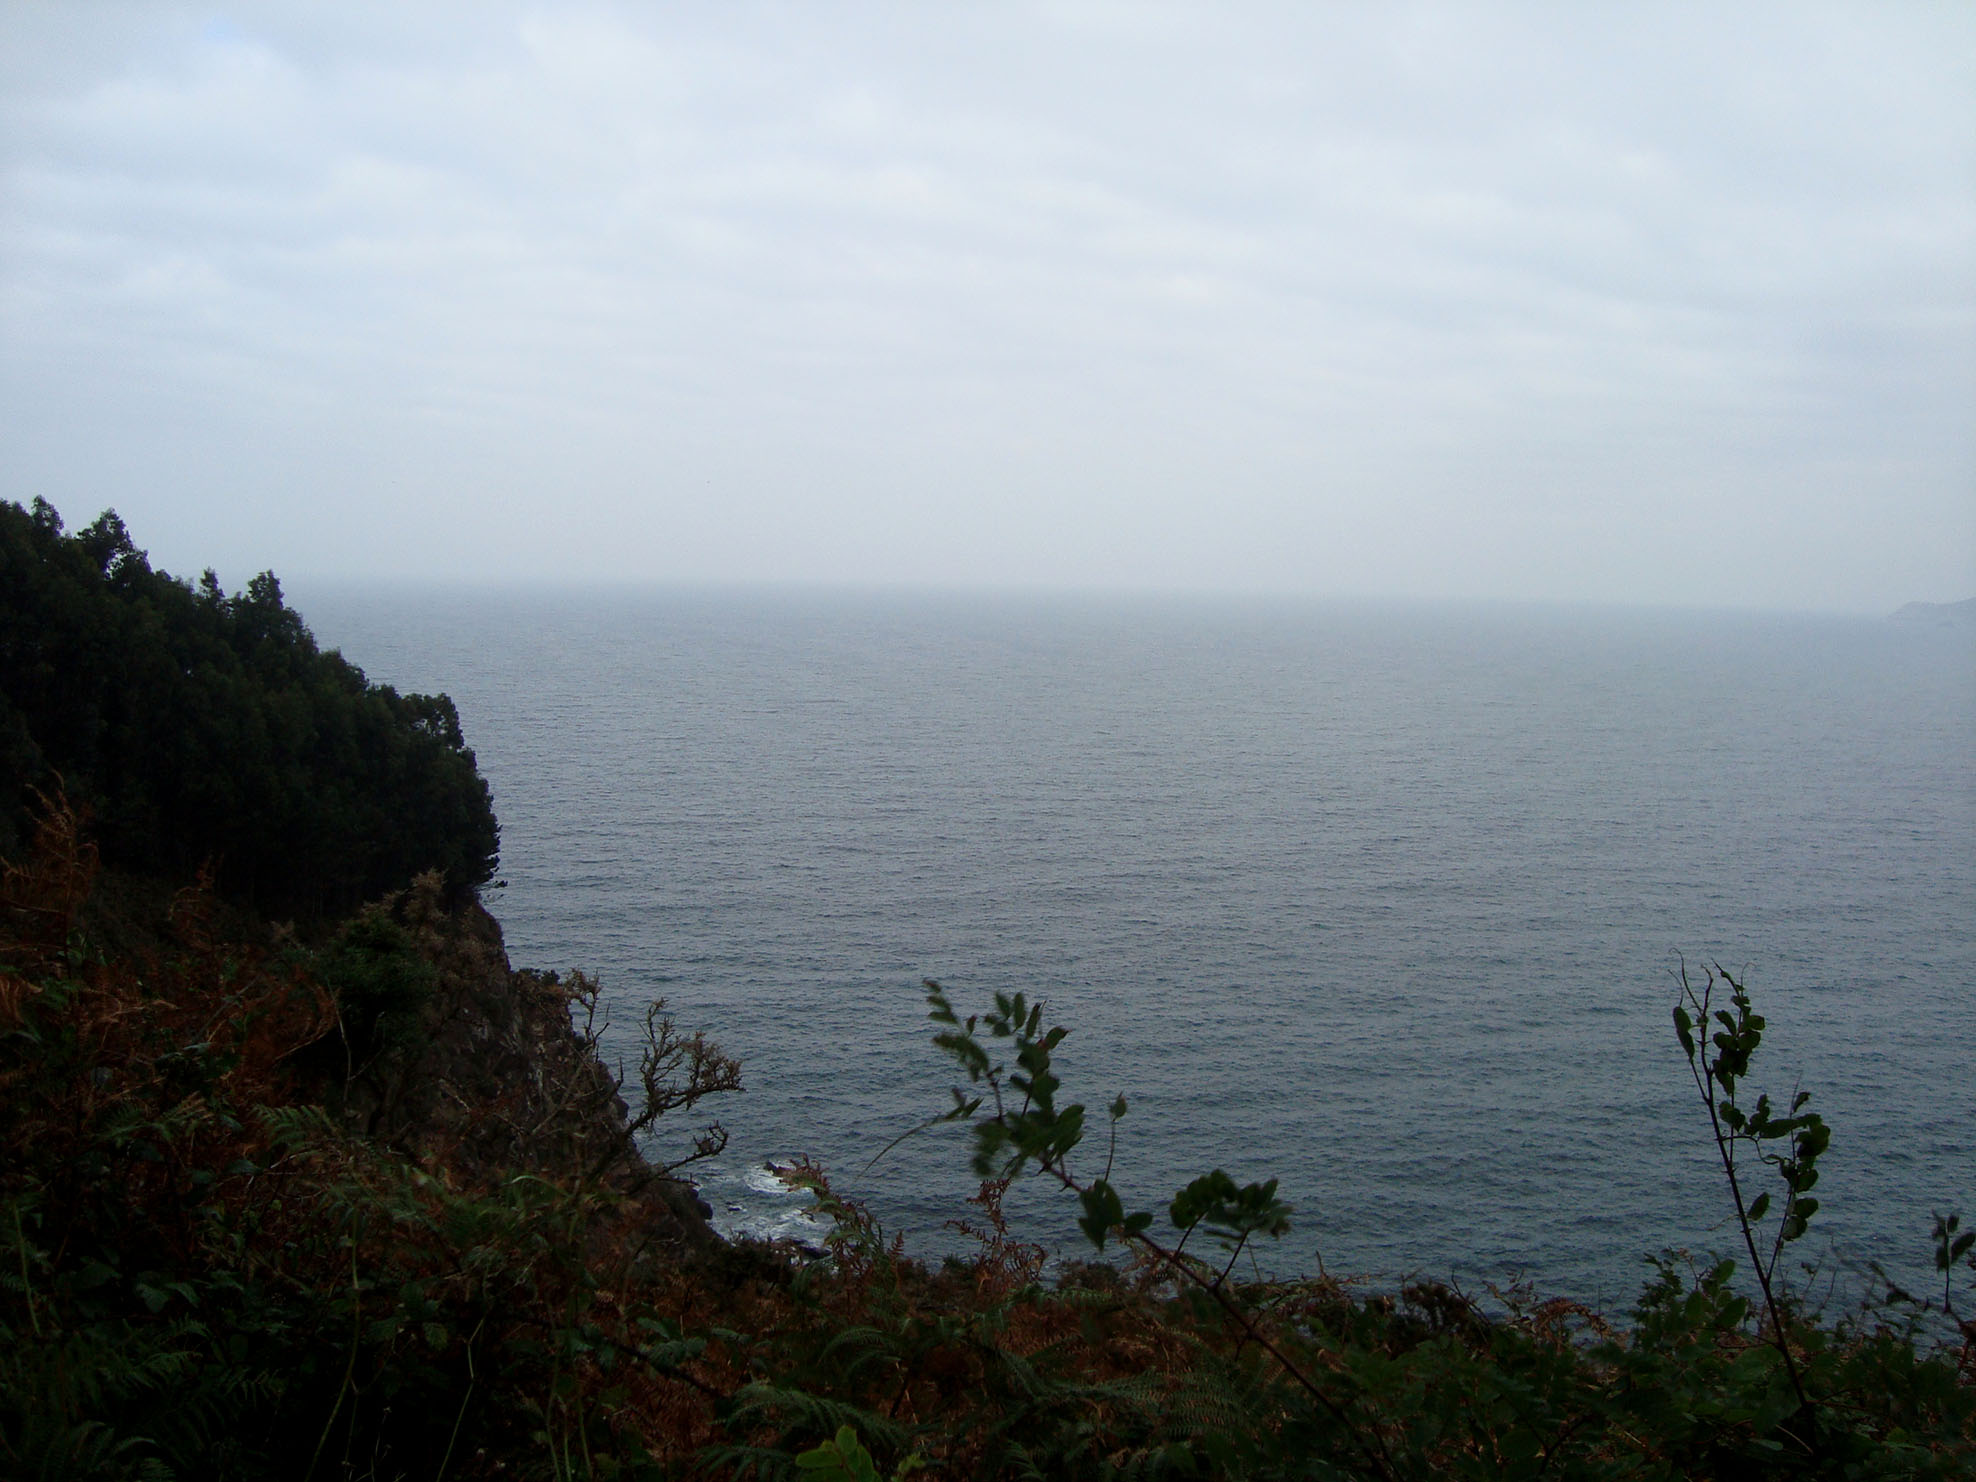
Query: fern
pixel 117 1400
pixel 748 1463
pixel 814 1416
pixel 852 1351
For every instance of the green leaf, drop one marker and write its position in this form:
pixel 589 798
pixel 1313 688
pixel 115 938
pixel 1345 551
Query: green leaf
pixel 1230 1214
pixel 1102 1212
pixel 841 1459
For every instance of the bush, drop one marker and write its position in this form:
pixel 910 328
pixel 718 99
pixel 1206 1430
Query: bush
pixel 379 980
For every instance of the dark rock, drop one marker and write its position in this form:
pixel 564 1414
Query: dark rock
pixel 495 1076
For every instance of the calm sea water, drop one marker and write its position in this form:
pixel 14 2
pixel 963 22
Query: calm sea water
pixel 1381 901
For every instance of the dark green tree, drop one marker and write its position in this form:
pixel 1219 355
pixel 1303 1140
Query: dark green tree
pixel 201 729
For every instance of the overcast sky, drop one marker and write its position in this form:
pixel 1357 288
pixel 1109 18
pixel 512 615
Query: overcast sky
pixel 1572 301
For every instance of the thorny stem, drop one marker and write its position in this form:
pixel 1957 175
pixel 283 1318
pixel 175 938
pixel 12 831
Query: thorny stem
pixel 473 1378
pixel 27 1284
pixel 349 1369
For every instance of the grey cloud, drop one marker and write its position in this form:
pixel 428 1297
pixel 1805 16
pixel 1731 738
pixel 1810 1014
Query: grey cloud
pixel 1438 299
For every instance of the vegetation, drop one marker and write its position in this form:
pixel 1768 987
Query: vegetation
pixel 365 1203
pixel 211 1273
pixel 198 728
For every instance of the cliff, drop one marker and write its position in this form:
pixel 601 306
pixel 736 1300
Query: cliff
pixel 490 1072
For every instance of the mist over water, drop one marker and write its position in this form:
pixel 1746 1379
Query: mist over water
pixel 1382 901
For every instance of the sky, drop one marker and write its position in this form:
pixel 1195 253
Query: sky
pixel 1570 302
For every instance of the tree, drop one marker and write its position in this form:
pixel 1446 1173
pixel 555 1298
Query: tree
pixel 201 729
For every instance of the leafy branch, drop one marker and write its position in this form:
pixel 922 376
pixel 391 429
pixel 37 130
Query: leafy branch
pixel 1720 1043
pixel 1027 1126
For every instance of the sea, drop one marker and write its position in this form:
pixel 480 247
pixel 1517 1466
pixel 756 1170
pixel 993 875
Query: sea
pixel 1388 902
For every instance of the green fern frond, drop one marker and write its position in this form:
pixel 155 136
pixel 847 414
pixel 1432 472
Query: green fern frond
pixel 814 1416
pixel 852 1349
pixel 748 1463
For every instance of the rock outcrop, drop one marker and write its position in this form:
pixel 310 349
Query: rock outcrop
pixel 493 1073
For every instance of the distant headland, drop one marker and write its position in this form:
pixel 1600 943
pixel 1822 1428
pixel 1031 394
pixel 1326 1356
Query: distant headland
pixel 1961 615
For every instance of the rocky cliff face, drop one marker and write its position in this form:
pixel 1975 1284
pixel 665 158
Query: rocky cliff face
pixel 494 1075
